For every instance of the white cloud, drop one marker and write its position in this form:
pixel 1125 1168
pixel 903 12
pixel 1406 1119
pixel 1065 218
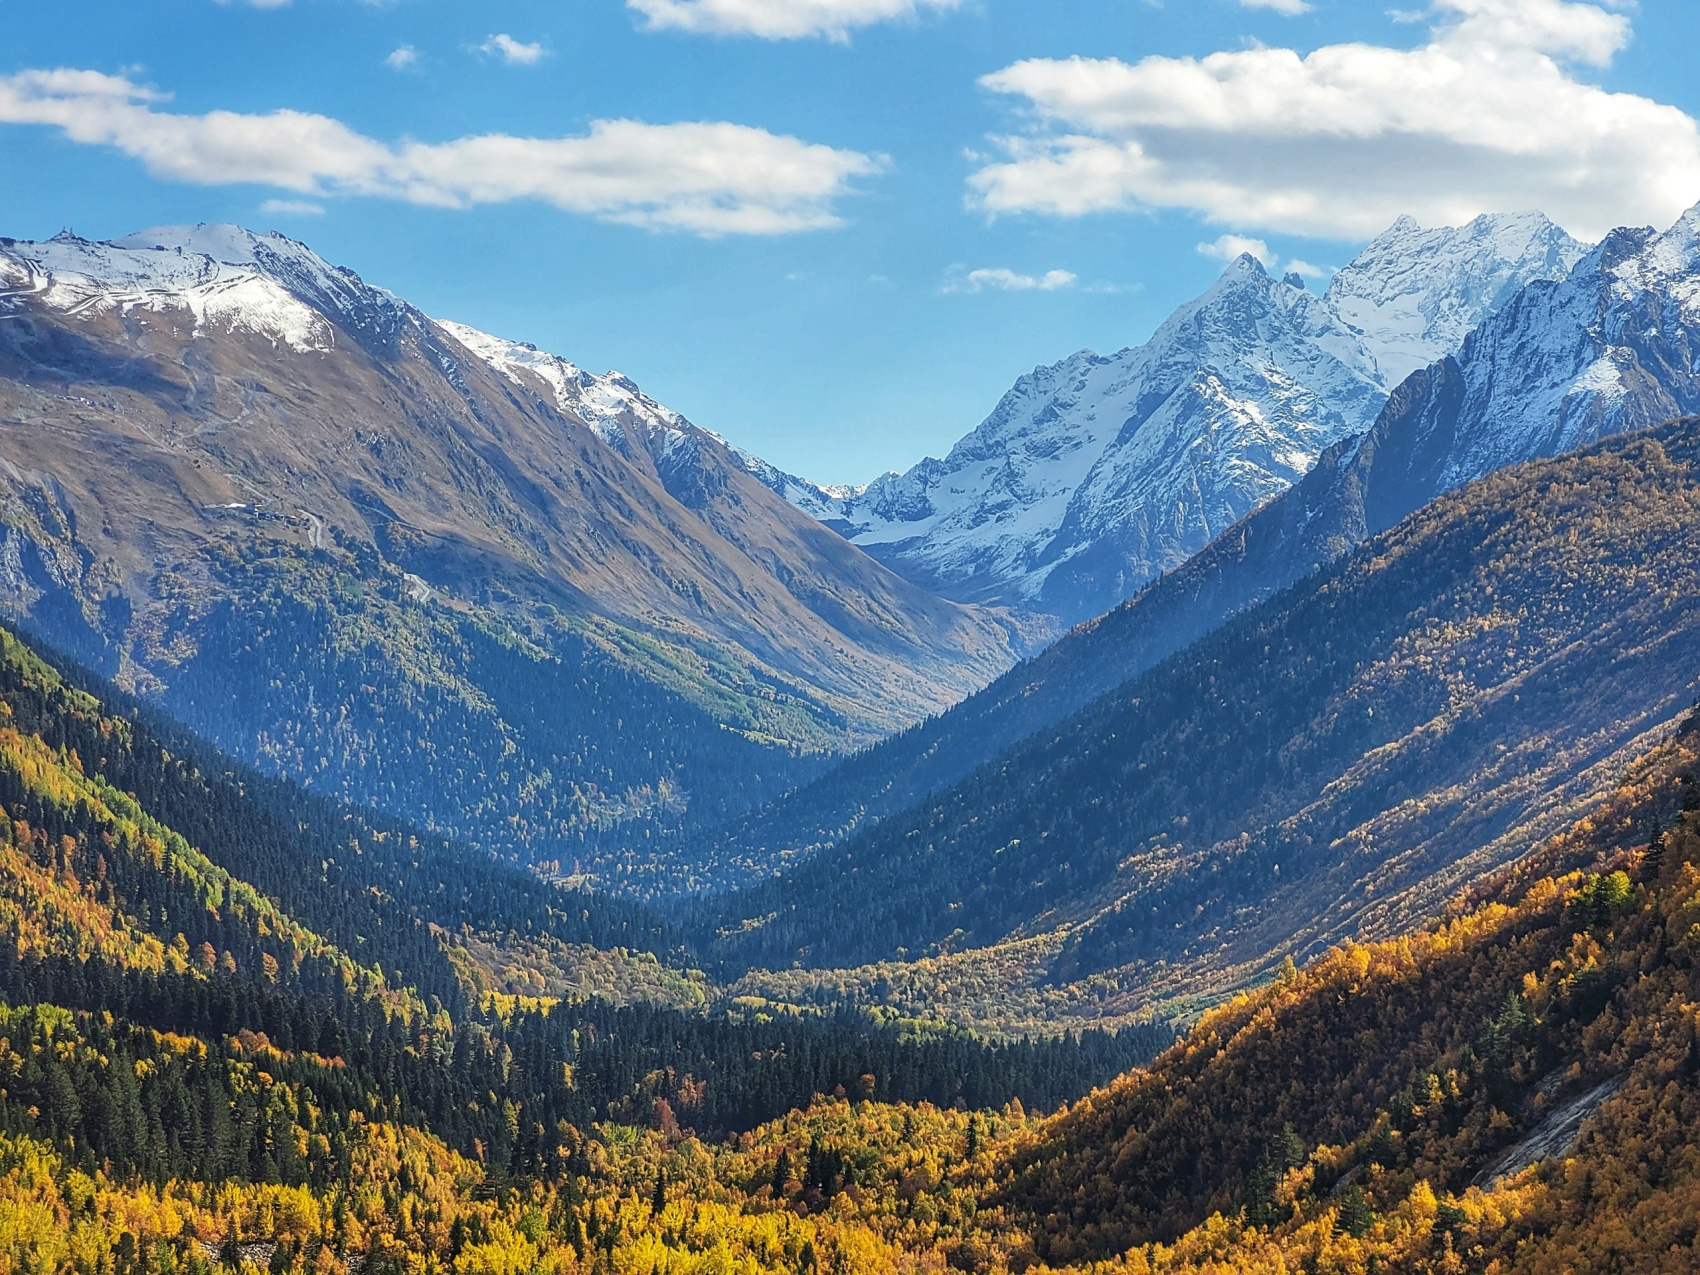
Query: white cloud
pixel 293 208
pixel 1232 247
pixel 1486 115
pixel 1003 280
pixel 511 51
pixel 404 56
pixel 1286 8
pixel 707 178
pixel 780 19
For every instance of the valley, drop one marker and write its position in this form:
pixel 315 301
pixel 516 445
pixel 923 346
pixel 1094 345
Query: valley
pixel 458 815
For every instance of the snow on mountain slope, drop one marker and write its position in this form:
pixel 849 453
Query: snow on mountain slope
pixel 1613 347
pixel 219 280
pixel 1415 294
pixel 1098 473
pixel 612 405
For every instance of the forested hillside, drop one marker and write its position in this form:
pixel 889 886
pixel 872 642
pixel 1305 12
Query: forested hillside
pixel 1514 1088
pixel 217 973
pixel 1333 762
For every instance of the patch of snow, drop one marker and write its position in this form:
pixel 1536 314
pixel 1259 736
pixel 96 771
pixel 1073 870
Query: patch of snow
pixel 225 277
pixel 611 405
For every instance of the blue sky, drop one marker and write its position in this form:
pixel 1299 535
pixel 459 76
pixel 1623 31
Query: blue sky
pixel 895 206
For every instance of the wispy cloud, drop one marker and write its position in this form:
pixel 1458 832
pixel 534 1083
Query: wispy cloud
pixel 511 51
pixel 1232 247
pixel 781 19
pixel 1489 113
pixel 704 178
pixel 1000 279
pixel 405 56
pixel 293 208
pixel 1287 8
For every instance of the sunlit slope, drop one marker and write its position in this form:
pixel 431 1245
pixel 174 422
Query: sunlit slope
pixel 1513 1089
pixel 1324 1114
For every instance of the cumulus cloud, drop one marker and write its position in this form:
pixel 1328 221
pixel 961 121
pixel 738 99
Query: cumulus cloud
pixel 511 51
pixel 1488 114
pixel 1000 279
pixel 1232 247
pixel 706 178
pixel 404 56
pixel 780 19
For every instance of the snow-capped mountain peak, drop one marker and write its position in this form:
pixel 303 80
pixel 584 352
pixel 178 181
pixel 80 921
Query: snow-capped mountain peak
pixel 1415 293
pixel 611 404
pixel 1614 346
pixel 1093 475
pixel 238 280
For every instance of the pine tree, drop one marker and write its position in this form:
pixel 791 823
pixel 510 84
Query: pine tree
pixel 1356 1217
pixel 1653 863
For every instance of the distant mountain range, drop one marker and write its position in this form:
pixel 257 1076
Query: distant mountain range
pixel 422 568
pixel 1337 895
pixel 463 580
pixel 1096 474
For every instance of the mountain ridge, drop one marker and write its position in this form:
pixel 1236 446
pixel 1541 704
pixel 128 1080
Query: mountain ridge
pixel 1098 473
pixel 280 437
pixel 1330 763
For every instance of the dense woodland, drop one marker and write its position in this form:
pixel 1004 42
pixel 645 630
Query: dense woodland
pixel 1528 625
pixel 245 1028
pixel 373 963
pixel 1345 1118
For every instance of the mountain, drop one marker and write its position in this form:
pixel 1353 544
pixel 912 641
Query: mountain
pixel 1532 381
pixel 1097 474
pixel 239 1008
pixel 1611 348
pixel 424 569
pixel 1330 763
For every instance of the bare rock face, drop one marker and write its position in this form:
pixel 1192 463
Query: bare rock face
pixel 315 522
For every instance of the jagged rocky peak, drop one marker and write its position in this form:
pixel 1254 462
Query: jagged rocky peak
pixel 1615 346
pixel 1416 293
